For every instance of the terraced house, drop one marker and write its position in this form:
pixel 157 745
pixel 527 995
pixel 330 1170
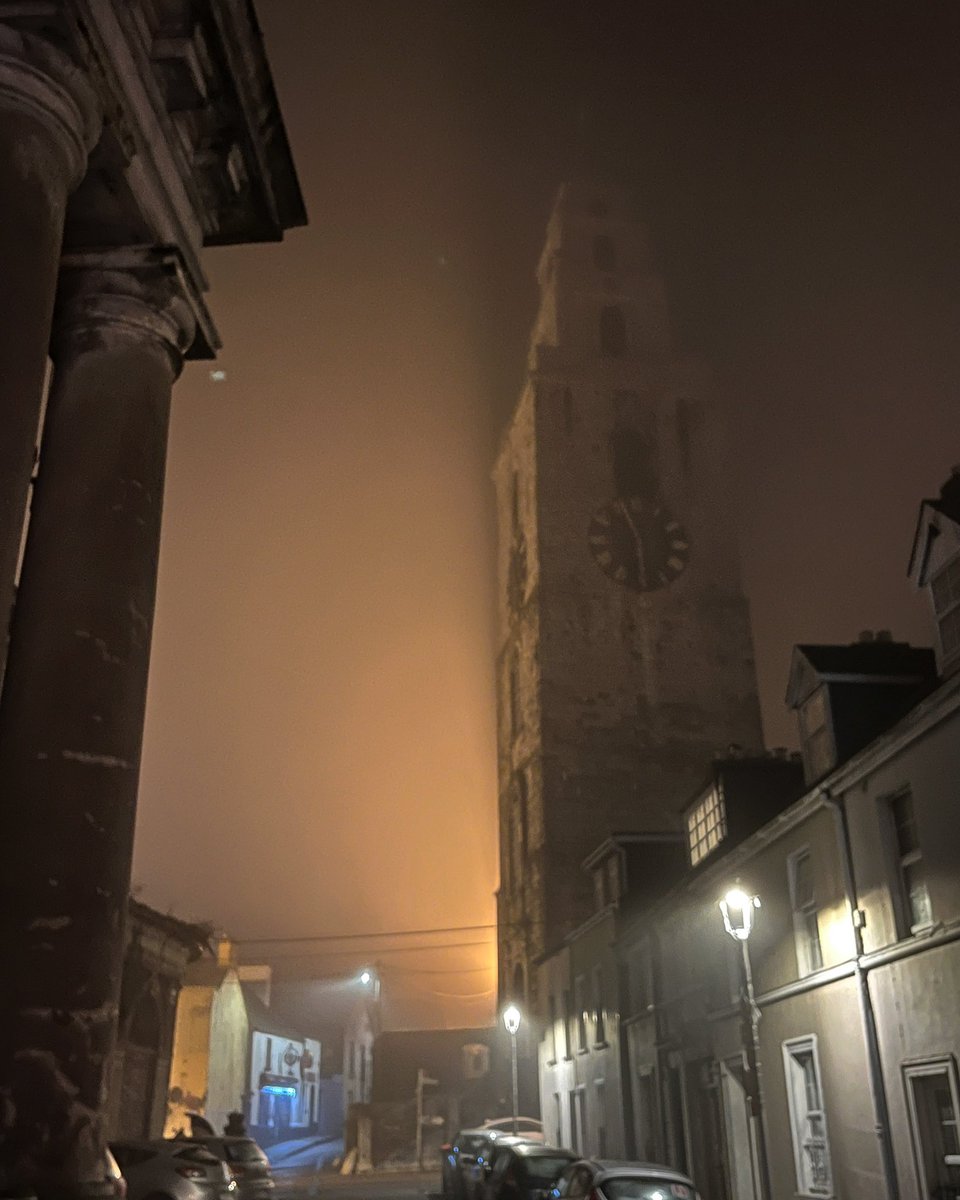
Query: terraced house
pixel 815 1055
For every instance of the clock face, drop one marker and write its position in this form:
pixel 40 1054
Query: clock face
pixel 638 543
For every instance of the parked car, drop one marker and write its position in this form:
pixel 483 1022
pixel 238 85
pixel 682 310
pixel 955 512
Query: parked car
pixel 527 1127
pixel 457 1157
pixel 476 1174
pixel 172 1169
pixel 525 1171
pixel 247 1163
pixel 115 1176
pixel 605 1179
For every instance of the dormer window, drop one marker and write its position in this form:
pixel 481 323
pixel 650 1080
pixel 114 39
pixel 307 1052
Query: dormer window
pixel 706 825
pixel 945 594
pixel 817 739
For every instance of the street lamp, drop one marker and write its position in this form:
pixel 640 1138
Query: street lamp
pixel 511 1022
pixel 738 909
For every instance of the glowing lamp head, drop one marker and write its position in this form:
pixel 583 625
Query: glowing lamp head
pixel 738 909
pixel 366 977
pixel 511 1019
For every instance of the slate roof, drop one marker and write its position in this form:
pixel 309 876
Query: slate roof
pixel 948 502
pixel 871 658
pixel 195 937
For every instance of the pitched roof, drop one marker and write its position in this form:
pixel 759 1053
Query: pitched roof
pixel 935 518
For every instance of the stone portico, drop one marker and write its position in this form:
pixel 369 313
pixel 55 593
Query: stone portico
pixel 133 133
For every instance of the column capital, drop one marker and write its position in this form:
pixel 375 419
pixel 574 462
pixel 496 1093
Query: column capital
pixel 39 80
pixel 100 306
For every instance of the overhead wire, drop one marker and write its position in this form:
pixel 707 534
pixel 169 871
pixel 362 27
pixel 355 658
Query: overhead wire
pixel 366 936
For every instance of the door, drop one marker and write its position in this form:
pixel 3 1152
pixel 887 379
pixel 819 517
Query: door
pixel 741 1160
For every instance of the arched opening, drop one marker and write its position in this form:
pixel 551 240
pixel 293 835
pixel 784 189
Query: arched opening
pixel 518 990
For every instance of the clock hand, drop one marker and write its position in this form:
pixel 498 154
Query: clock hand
pixel 641 565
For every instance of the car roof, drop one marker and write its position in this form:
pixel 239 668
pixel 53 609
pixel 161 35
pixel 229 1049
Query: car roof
pixel 647 1170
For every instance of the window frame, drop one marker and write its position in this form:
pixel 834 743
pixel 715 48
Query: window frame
pixel 820 736
pixel 791 1048
pixel 944 1064
pixel 802 915
pixel 950 570
pixel 898 864
pixel 704 819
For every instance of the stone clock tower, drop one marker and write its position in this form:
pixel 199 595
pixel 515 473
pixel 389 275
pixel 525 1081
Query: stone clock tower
pixel 624 658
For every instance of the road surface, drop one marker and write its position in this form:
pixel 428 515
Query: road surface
pixel 372 1185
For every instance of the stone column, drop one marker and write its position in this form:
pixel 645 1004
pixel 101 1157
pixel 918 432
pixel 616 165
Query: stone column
pixel 72 706
pixel 49 121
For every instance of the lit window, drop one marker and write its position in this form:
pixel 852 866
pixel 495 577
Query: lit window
pixel 912 899
pixel 476 1060
pixel 580 999
pixel 808 1123
pixel 945 593
pixel 933 1106
pixel 805 924
pixel 706 826
pixel 817 740
pixel 599 1018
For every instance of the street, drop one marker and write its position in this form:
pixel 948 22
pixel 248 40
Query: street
pixel 374 1185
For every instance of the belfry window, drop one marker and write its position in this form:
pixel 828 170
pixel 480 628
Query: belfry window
pixel 613 331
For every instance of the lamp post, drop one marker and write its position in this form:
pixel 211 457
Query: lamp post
pixel 738 909
pixel 511 1022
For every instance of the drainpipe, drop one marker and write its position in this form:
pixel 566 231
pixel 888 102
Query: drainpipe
pixel 878 1094
pixel 660 1043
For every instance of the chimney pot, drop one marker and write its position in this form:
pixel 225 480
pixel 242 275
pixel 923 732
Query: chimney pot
pixel 865 635
pixel 884 635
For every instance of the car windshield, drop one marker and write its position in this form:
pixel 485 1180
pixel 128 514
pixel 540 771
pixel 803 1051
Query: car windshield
pixel 543 1170
pixel 243 1152
pixel 197 1154
pixel 636 1187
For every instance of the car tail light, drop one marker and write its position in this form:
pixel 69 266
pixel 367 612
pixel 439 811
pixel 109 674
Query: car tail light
pixel 236 1171
pixel 192 1172
pixel 596 1194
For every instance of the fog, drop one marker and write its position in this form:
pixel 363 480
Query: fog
pixel 320 754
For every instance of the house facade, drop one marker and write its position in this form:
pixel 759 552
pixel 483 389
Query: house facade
pixel 233 1053
pixel 158 950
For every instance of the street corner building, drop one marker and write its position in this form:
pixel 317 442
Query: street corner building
pixel 132 134
pixel 234 1052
